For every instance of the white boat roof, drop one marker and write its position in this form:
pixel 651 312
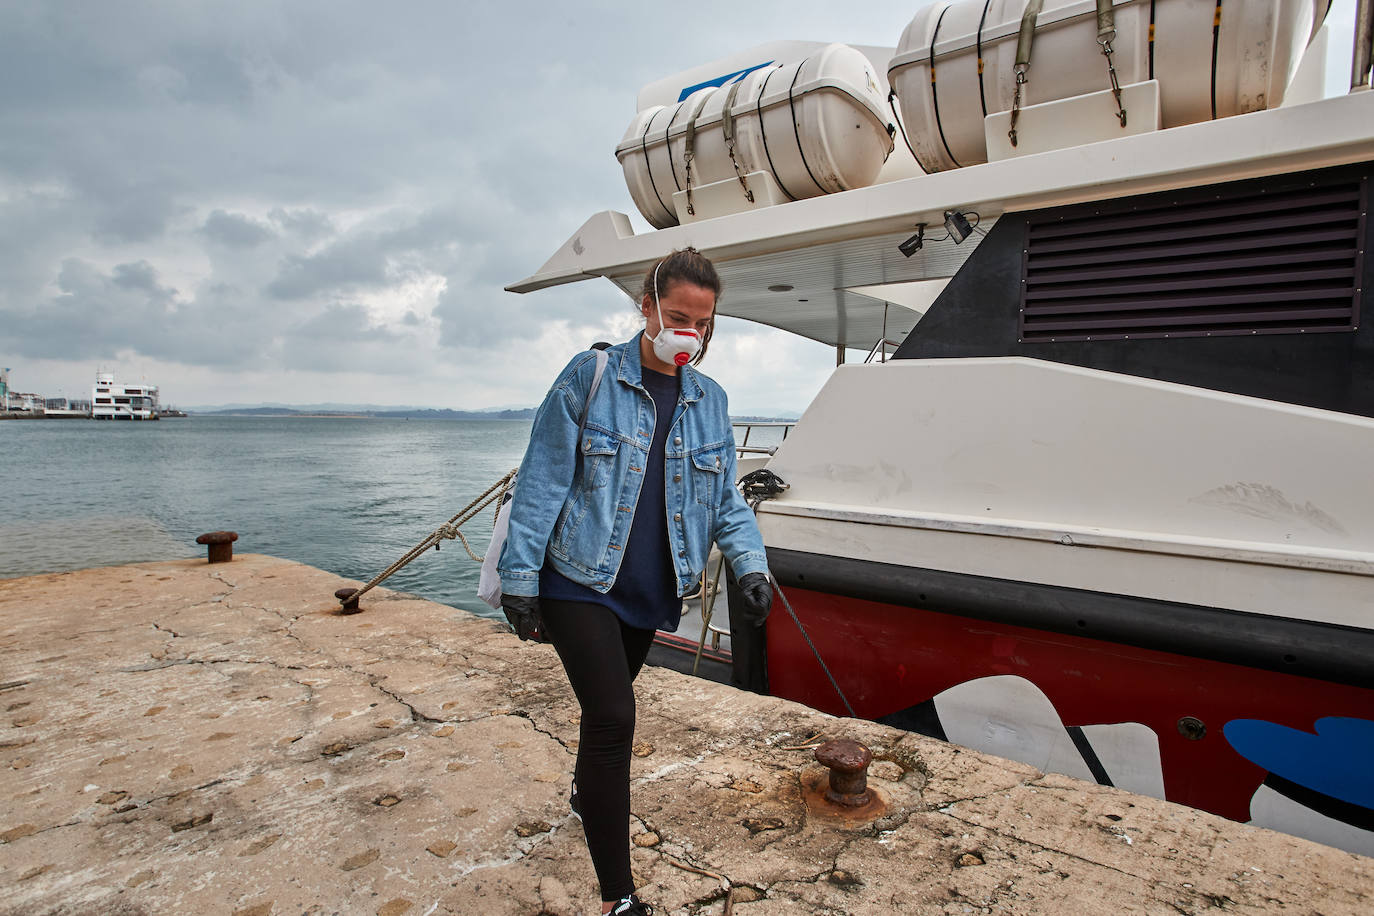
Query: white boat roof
pixel 838 253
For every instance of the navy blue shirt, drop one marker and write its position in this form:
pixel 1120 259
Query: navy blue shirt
pixel 644 593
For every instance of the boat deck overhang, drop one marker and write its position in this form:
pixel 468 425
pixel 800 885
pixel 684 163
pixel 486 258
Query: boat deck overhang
pixel 825 250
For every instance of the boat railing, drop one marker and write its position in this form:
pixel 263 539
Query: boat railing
pixel 743 447
pixel 879 350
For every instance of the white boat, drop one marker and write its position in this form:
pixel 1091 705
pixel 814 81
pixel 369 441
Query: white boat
pixel 112 401
pixel 1106 508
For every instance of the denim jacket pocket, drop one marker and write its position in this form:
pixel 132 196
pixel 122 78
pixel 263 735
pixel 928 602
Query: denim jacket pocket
pixel 598 457
pixel 708 470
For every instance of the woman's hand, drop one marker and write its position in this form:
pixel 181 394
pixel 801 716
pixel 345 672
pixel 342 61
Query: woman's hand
pixel 522 611
pixel 757 592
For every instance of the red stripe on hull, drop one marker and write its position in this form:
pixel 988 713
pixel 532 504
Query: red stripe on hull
pixel 887 658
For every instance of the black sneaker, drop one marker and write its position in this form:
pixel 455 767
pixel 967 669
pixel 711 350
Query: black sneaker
pixel 631 906
pixel 575 802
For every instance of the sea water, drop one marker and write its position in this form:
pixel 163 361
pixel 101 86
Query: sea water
pixel 347 495
pixel 342 494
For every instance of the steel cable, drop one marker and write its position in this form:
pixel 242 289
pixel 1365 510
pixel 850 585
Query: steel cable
pixel 758 486
pixel 445 532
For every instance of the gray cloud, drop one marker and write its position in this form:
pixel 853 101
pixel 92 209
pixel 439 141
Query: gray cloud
pixel 392 249
pixel 137 211
pixel 307 225
pixel 344 336
pixel 341 268
pixel 140 278
pixel 97 313
pixel 234 230
pixel 341 324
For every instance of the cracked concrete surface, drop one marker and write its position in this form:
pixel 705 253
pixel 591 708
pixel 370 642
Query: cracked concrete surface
pixel 184 738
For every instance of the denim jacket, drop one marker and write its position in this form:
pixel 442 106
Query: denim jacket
pixel 575 497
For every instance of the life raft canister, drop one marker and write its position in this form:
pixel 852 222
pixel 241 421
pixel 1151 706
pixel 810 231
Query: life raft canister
pixel 956 62
pixel 818 125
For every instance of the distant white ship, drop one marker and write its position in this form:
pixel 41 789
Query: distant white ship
pixel 110 401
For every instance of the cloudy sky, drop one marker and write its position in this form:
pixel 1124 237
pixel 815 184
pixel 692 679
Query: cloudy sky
pixel 310 202
pixel 320 201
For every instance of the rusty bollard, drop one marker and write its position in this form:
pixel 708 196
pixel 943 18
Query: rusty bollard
pixel 848 763
pixel 350 603
pixel 221 544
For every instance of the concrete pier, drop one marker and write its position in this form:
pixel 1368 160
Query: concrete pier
pixel 186 738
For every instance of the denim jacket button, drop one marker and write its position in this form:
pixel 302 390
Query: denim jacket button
pixel 682 553
pixel 677 440
pixel 677 477
pixel 677 516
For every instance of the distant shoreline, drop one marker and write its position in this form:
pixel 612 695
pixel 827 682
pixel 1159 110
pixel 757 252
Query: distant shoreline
pixel 290 416
pixel 277 413
pixel 431 415
pixel 426 414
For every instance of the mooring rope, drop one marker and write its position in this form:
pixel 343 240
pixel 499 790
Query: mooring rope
pixel 448 531
pixel 758 486
pixel 814 651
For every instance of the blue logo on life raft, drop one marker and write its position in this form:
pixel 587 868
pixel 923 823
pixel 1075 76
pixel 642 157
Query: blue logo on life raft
pixel 722 80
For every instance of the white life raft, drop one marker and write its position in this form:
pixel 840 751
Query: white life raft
pixel 817 126
pixel 956 62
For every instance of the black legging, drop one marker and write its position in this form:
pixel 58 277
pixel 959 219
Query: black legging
pixel 602 657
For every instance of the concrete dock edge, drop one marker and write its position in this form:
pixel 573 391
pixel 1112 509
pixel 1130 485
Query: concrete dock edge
pixel 186 738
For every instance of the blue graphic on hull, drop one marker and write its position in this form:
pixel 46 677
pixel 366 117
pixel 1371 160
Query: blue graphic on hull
pixel 722 80
pixel 1337 761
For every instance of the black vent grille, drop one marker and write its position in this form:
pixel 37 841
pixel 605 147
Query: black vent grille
pixel 1282 262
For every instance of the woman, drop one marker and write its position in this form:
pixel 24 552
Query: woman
pixel 611 526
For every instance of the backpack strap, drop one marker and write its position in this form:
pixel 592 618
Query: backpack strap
pixel 601 360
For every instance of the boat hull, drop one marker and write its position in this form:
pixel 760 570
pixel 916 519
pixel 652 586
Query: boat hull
pixel 1048 697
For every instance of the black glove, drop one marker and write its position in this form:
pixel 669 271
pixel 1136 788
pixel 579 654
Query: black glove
pixel 757 593
pixel 522 611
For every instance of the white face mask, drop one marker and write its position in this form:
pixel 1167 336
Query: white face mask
pixel 675 346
